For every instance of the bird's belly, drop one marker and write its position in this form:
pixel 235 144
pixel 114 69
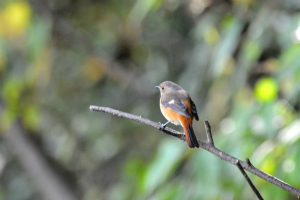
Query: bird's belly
pixel 170 115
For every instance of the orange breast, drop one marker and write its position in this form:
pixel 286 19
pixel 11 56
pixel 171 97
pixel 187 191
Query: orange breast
pixel 172 116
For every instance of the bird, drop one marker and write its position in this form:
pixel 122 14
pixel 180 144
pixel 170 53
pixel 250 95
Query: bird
pixel 178 108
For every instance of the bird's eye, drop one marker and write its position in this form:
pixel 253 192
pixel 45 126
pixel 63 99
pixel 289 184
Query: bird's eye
pixel 163 88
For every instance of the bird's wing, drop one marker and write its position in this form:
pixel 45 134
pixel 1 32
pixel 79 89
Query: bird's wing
pixel 176 106
pixel 194 110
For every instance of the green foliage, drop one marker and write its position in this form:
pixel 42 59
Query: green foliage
pixel 239 60
pixel 166 160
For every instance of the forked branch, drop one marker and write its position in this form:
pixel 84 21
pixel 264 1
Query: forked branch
pixel 248 180
pixel 238 164
pixel 207 146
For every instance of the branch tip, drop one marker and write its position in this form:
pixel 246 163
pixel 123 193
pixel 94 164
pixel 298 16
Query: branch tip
pixel 248 162
pixel 210 139
pixel 93 108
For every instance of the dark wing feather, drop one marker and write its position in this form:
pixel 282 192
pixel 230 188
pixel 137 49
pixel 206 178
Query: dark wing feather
pixel 178 107
pixel 194 110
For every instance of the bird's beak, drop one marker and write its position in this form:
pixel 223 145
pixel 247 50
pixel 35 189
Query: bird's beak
pixel 157 87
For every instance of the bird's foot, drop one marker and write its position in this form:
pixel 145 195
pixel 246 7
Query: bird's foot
pixel 162 126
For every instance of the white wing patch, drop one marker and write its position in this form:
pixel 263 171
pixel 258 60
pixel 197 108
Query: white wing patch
pixel 171 102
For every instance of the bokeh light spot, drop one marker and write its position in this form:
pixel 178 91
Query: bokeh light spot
pixel 14 18
pixel 266 90
pixel 94 69
pixel 211 36
pixel 288 166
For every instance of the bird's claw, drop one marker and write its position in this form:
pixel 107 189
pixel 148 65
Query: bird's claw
pixel 161 126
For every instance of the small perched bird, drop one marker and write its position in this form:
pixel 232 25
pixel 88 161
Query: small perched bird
pixel 178 108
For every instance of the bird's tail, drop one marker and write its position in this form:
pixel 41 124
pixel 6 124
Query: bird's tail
pixel 190 137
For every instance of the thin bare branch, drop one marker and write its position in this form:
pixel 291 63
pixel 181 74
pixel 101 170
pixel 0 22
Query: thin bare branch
pixel 208 147
pixel 248 180
pixel 210 139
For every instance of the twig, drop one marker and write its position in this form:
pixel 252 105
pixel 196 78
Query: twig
pixel 248 180
pixel 206 146
pixel 141 119
pixel 248 162
pixel 211 142
pixel 210 139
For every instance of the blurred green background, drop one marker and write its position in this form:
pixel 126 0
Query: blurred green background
pixel 238 59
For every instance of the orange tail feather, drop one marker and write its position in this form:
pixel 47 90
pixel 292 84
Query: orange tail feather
pixel 191 139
